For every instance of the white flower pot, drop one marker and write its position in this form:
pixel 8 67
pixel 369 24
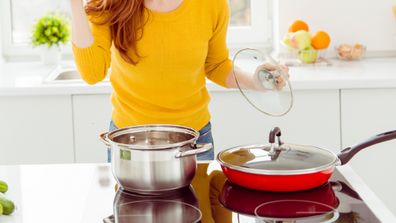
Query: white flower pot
pixel 51 55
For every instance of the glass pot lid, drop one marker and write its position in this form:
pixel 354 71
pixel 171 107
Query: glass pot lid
pixel 285 159
pixel 152 137
pixel 273 95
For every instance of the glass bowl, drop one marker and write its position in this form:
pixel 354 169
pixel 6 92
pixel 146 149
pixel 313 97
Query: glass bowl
pixel 309 56
pixel 305 56
pixel 350 51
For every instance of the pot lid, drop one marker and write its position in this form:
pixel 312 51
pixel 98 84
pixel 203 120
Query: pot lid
pixel 284 159
pixel 273 99
pixel 152 137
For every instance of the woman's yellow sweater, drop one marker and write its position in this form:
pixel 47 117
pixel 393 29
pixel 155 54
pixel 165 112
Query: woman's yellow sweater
pixel 179 49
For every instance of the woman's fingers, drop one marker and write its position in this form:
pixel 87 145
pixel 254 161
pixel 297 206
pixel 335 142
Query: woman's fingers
pixel 285 70
pixel 271 67
pixel 267 66
pixel 280 82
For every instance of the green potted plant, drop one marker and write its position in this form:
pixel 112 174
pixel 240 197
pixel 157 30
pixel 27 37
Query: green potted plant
pixel 50 33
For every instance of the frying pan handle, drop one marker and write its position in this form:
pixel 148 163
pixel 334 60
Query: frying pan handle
pixel 275 132
pixel 345 189
pixel 347 153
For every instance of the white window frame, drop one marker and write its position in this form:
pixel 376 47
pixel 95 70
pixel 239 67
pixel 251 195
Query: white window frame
pixel 13 51
pixel 259 34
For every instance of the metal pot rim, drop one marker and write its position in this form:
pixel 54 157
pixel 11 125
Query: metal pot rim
pixel 317 169
pixel 139 128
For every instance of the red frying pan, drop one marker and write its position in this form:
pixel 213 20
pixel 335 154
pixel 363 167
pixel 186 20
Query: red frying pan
pixel 286 167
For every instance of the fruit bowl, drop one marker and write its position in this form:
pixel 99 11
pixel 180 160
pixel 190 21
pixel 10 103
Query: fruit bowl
pixel 350 52
pixel 304 46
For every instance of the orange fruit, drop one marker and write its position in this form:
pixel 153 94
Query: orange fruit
pixel 321 40
pixel 298 25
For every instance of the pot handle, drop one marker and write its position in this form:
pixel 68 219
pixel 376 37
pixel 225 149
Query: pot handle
pixel 347 153
pixel 198 148
pixel 104 139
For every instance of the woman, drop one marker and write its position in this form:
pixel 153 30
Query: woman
pixel 160 52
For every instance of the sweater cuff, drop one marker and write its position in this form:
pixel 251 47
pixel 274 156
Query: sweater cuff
pixel 83 55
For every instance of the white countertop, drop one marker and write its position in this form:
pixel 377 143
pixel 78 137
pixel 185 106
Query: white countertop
pixel 19 78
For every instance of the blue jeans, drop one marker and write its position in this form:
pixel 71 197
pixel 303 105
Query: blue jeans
pixel 205 136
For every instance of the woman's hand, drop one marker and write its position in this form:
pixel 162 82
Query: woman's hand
pixel 266 77
pixel 270 77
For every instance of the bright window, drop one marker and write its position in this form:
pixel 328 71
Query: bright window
pixel 17 19
pixel 250 23
pixel 22 15
pixel 240 13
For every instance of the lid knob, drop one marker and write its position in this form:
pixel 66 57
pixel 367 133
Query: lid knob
pixel 275 132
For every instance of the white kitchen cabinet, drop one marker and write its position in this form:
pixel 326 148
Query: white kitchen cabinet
pixel 91 116
pixel 314 120
pixel 36 129
pixel 366 113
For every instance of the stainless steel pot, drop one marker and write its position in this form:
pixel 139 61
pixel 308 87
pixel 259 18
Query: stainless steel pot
pixel 151 159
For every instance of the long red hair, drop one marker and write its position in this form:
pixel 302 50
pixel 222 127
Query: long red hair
pixel 126 20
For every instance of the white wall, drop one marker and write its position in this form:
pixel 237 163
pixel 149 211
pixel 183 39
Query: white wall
pixel 370 22
pixel 1 44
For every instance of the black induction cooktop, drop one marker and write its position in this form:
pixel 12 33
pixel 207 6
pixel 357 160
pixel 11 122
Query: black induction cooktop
pixel 211 198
